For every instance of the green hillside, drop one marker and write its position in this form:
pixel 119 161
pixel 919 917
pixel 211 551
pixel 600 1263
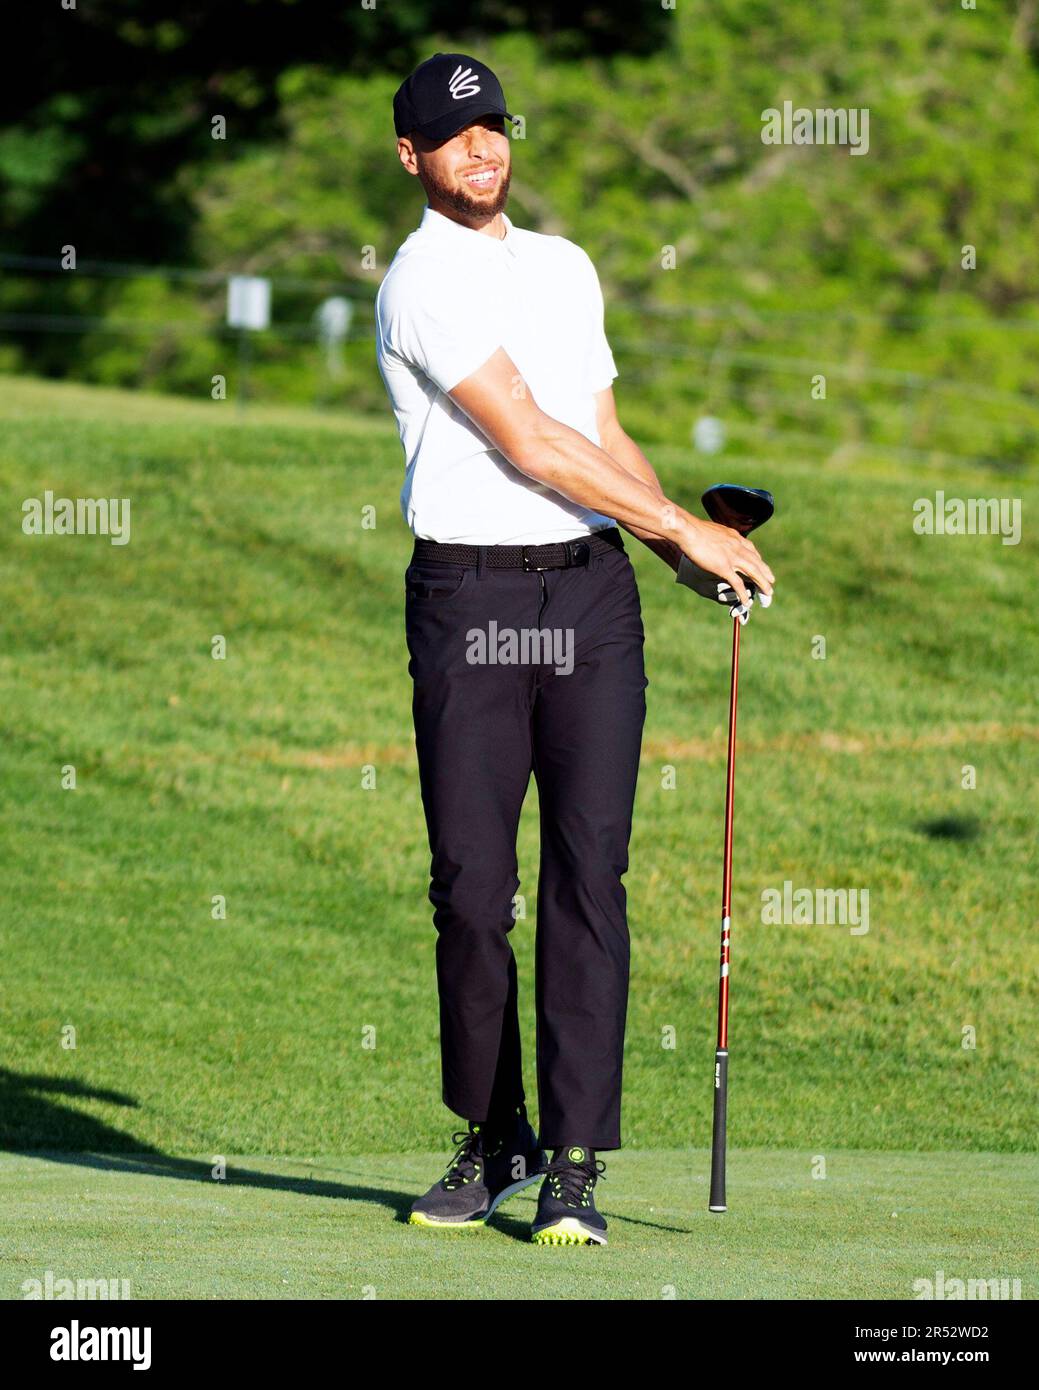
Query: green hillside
pixel 243 778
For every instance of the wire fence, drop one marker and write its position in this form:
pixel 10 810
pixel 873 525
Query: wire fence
pixel 755 369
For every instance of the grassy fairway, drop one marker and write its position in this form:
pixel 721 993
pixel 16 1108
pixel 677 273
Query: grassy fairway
pixel 333 1228
pixel 245 778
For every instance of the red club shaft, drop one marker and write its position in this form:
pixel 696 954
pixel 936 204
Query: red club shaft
pixel 730 788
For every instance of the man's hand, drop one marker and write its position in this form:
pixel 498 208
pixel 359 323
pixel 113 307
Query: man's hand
pixel 720 550
pixel 681 539
pixel 716 590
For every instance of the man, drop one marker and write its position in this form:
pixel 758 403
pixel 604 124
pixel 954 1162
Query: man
pixel 525 636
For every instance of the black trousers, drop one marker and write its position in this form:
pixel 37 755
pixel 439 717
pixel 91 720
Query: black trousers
pixel 486 716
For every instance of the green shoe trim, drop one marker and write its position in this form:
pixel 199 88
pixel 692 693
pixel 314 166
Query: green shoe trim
pixel 565 1232
pixel 419 1218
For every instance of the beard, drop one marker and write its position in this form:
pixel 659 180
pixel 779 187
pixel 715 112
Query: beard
pixel 469 204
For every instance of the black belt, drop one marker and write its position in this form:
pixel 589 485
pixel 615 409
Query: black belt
pixel 559 555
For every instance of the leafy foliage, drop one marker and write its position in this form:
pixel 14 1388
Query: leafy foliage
pixel 791 263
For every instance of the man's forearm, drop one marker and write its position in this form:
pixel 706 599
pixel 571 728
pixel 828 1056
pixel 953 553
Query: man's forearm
pixel 564 460
pixel 622 449
pixel 570 464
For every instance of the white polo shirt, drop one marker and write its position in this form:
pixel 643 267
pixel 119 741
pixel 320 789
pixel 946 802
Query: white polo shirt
pixel 450 299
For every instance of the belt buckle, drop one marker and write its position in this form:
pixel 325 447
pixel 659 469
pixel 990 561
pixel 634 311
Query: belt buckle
pixel 528 564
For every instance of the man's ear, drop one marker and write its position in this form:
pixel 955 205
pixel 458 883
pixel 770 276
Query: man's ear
pixel 406 153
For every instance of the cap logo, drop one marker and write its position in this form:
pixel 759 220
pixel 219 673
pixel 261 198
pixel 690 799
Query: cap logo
pixel 463 83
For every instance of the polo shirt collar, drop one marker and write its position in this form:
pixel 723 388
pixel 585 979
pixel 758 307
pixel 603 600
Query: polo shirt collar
pixel 436 224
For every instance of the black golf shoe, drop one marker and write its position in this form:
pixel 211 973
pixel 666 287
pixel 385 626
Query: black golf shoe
pixel 566 1205
pixel 487 1168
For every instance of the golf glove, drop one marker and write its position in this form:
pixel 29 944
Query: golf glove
pixel 709 586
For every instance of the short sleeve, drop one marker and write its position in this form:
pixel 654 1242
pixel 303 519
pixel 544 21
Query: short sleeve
pixel 601 367
pixel 442 319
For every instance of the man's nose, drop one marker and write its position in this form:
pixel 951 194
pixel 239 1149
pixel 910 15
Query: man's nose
pixel 477 144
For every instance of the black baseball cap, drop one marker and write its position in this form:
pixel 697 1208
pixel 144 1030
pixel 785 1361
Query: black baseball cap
pixel 444 94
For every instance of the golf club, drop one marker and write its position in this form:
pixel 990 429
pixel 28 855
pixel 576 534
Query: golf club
pixel 743 509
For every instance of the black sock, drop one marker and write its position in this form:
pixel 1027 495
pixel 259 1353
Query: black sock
pixel 504 1121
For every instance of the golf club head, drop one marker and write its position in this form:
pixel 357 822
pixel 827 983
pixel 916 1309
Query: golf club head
pixel 741 508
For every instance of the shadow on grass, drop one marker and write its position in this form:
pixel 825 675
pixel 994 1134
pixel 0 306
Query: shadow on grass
pixel 31 1122
pixel 952 828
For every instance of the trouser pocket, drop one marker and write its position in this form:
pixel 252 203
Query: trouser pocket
pixel 434 581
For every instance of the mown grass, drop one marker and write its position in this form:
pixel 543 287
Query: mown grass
pixel 862 1226
pixel 243 778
